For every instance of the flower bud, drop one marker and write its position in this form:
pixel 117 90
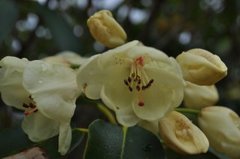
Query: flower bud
pixel 180 134
pixel 222 127
pixel 105 29
pixel 201 67
pixel 197 96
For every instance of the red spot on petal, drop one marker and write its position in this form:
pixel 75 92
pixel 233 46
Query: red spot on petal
pixel 141 104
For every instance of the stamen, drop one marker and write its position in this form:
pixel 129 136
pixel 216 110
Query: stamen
pixel 138 79
pixel 30 108
pixel 30 111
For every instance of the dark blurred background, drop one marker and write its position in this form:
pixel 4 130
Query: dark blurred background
pixel 40 28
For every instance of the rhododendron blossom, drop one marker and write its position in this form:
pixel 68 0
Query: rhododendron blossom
pixel 135 81
pixel 45 92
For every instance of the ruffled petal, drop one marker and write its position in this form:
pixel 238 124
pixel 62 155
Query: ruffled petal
pixel 90 78
pixel 127 117
pixel 11 88
pixel 115 93
pixel 65 138
pixel 53 88
pixel 165 93
pixel 117 96
pixel 39 128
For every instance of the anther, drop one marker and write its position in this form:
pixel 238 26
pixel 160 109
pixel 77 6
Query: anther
pixel 149 83
pixel 32 105
pixel 25 105
pixel 139 81
pixel 144 87
pixel 126 82
pixel 138 88
pixel 133 75
pixel 129 79
pixel 130 88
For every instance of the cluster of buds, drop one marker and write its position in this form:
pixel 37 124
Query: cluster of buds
pixel 200 70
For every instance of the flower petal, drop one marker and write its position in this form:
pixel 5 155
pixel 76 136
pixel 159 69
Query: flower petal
pixel 65 138
pixel 53 88
pixel 11 88
pixel 39 128
pixel 90 78
pixel 165 94
pixel 116 99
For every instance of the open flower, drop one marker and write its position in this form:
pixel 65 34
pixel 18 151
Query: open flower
pixel 135 81
pixel 180 134
pixel 199 96
pixel 105 29
pixel 201 67
pixel 222 127
pixel 45 92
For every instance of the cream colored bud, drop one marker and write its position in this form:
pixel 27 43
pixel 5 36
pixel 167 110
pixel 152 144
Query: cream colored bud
pixel 197 96
pixel 201 67
pixel 180 134
pixel 222 127
pixel 105 29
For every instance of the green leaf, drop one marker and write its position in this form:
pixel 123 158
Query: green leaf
pixel 14 141
pixel 108 141
pixel 8 16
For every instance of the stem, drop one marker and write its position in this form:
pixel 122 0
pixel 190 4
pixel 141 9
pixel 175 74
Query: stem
pixel 85 130
pixel 187 110
pixel 107 113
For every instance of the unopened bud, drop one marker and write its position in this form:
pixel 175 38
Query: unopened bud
pixel 201 67
pixel 105 29
pixel 197 96
pixel 222 127
pixel 180 134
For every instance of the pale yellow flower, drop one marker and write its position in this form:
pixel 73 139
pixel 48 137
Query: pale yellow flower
pixel 201 67
pixel 105 29
pixel 180 134
pixel 45 92
pixel 222 127
pixel 135 81
pixel 199 96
